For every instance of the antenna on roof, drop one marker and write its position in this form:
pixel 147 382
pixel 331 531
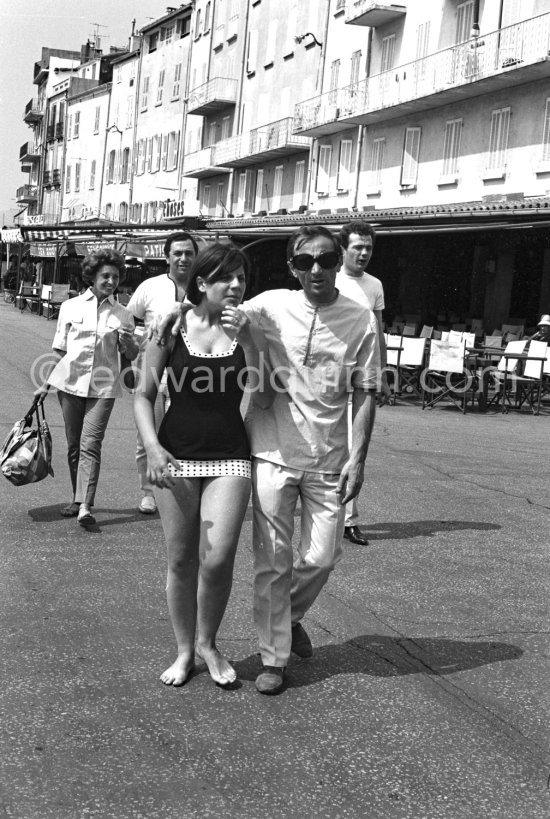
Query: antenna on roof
pixel 97 38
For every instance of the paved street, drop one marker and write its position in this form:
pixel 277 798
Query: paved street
pixel 428 694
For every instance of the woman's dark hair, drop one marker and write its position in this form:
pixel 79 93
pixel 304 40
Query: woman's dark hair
pixel 305 234
pixel 212 264
pixel 94 261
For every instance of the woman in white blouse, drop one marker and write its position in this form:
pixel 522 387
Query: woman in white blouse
pixel 92 330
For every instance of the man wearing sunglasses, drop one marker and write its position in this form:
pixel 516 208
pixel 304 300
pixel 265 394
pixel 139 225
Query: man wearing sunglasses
pixel 321 346
pixel 357 239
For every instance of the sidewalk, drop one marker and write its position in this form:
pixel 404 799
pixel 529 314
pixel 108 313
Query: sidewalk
pixel 428 694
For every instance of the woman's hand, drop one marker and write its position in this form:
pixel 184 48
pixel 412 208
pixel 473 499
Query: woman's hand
pixel 167 324
pixel 157 467
pixel 128 345
pixel 236 324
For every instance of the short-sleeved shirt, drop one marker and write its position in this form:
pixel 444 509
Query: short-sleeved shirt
pixel 318 354
pixel 88 335
pixel 365 289
pixel 153 296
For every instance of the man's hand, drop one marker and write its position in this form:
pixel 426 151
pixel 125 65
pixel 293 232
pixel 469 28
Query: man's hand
pixel 167 324
pixel 351 481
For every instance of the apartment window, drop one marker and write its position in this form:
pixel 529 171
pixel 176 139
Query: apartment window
pixel 249 192
pixel 299 176
pixel 145 93
pixel 155 160
pixel 108 211
pixel 70 128
pixel 164 152
pixel 212 128
pixel 291 28
pixel 225 127
pixel 498 139
pixel 173 144
pixel 111 167
pixel 125 170
pixel 323 169
pixel 177 81
pixel 355 65
pixel 451 148
pixel 207 17
pixel 123 212
pixel 166 34
pixel 198 23
pixel 149 154
pixel 546 134
pixel 96 119
pixel 76 129
pixel 140 160
pixel 153 42
pixel 92 174
pixel 388 51
pixel 68 180
pixel 377 161
pixel 334 73
pixel 411 152
pixel 205 197
pixel 464 20
pixel 183 26
pixel 277 187
pixel 259 188
pixel 77 177
pixel 219 199
pixel 343 182
pixel 422 40
pixel 160 87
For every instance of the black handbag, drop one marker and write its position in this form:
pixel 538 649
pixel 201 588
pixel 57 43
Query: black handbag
pixel 26 454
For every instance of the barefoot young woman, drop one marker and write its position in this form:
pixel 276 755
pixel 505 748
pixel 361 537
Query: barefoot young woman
pixel 200 460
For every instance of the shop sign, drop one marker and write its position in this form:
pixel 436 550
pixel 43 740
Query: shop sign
pixel 34 219
pixel 46 250
pixel 173 210
pixel 11 235
pixel 145 250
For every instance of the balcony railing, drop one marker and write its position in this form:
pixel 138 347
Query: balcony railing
pixel 26 193
pixel 217 93
pixel 201 164
pixel 265 142
pixel 29 152
pixel 33 111
pixel 507 56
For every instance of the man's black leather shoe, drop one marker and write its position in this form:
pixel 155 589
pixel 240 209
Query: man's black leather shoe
pixel 355 535
pixel 301 644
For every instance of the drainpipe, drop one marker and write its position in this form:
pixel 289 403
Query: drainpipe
pixel 362 131
pixel 322 61
pixel 186 97
pixel 232 175
pixel 134 131
pixel 104 155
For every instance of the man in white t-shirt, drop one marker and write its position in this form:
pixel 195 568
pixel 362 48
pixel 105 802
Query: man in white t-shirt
pixel 153 296
pixel 357 240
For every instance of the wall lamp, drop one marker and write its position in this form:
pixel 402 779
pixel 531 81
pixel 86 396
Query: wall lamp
pixel 299 37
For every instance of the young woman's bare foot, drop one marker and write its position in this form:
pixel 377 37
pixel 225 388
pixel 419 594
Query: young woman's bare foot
pixel 220 669
pixel 179 672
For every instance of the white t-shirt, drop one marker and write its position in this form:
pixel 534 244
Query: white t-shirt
pixel 365 289
pixel 153 296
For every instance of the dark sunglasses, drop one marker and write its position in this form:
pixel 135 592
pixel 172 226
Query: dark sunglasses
pixel 305 261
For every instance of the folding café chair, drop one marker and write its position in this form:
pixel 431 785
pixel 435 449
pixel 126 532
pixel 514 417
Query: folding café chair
pixel 503 375
pixel 411 363
pixel 446 376
pixel 409 330
pixel 426 331
pixel 529 383
pixel 393 353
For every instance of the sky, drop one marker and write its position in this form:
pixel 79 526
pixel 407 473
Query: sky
pixel 24 29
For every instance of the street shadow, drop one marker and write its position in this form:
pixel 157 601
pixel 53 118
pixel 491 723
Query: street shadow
pixel 404 530
pixel 383 656
pixel 52 514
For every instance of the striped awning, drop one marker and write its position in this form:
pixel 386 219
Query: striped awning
pixel 10 235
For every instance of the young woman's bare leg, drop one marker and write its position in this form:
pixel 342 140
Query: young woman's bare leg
pixel 223 506
pixel 179 512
